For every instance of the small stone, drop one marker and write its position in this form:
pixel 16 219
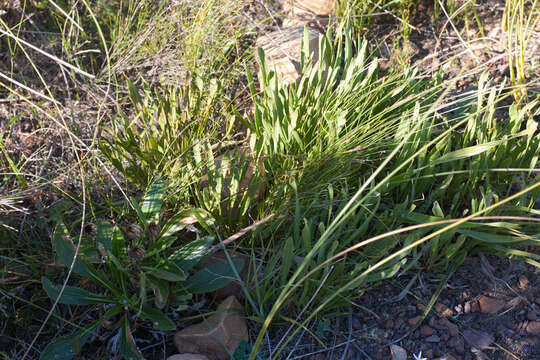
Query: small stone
pixel 489 305
pixel 457 344
pixel 447 357
pixel 467 307
pixel 356 323
pixel 218 336
pixel 458 308
pixel 531 315
pixel 282 50
pixel 413 321
pixel 533 328
pixel 398 353
pixel 452 328
pixel 187 357
pixel 433 339
pixel 478 339
pixel 514 302
pixel 523 282
pixel 426 331
pixel 443 310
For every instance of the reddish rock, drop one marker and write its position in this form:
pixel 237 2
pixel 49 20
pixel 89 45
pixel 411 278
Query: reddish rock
pixel 414 320
pixel 523 282
pixel 514 302
pixel 305 11
pixel 282 50
pixel 187 357
pixel 533 328
pixel 443 310
pixel 475 307
pixel 426 331
pixel 489 305
pixel 217 337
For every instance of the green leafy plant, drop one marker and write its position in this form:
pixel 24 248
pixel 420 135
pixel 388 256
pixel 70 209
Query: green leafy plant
pixel 230 183
pixel 158 140
pixel 521 25
pixel 407 148
pixel 137 275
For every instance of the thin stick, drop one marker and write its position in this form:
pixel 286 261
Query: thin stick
pixel 58 60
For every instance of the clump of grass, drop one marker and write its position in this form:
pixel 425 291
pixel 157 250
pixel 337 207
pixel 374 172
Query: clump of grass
pixel 415 156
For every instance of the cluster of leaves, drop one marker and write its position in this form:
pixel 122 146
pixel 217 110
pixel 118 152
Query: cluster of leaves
pixel 158 140
pixel 354 155
pixel 137 274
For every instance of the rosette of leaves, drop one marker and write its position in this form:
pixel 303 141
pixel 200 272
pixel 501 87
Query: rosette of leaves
pixel 139 278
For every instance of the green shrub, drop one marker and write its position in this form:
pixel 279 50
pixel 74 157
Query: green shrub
pixel 136 272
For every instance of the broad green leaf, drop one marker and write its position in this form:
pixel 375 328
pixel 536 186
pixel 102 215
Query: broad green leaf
pixel 118 245
pixel 105 234
pixel 67 347
pixel 190 254
pixel 212 277
pixel 161 290
pixel 167 270
pixel 437 211
pixel 128 348
pixel 65 250
pixel 159 320
pixel 73 295
pixel 286 262
pixel 151 204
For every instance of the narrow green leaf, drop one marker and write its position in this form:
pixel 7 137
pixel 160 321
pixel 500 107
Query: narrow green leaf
pixel 73 295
